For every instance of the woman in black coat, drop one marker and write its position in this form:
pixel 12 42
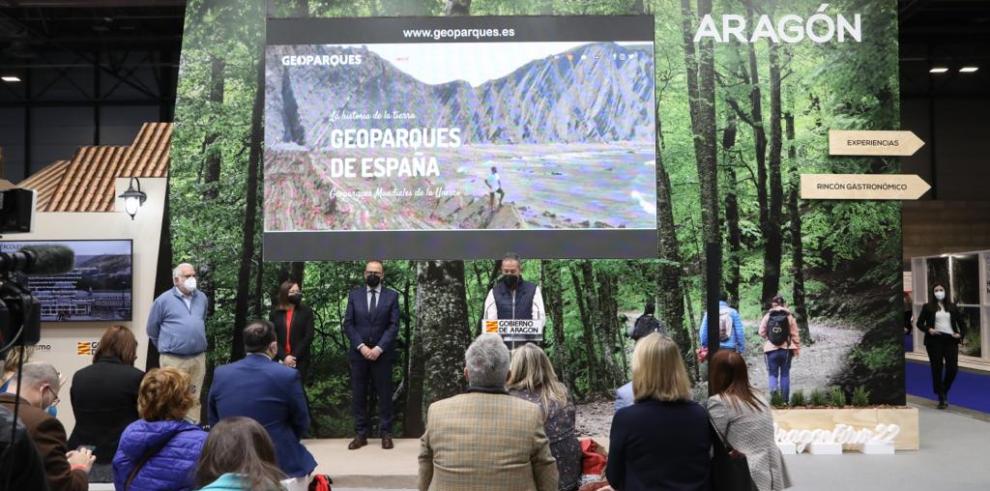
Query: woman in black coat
pixel 104 399
pixel 942 323
pixel 294 336
pixel 662 441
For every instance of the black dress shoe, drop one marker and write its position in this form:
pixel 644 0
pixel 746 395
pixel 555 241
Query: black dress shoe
pixel 358 442
pixel 942 404
pixel 387 443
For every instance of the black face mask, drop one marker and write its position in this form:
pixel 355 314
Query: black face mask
pixel 295 299
pixel 510 280
pixel 373 280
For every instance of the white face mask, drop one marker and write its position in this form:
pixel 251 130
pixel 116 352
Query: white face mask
pixel 940 295
pixel 189 284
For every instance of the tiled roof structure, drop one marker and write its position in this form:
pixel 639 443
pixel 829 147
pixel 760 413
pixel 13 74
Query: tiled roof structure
pixel 86 183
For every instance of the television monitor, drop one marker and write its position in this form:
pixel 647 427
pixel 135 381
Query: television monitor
pixel 99 287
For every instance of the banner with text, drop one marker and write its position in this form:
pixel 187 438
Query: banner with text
pixel 460 138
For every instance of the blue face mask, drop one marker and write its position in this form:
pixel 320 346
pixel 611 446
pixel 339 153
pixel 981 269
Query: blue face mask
pixel 52 411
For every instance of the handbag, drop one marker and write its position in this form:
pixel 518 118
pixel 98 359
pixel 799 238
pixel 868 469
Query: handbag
pixel 728 473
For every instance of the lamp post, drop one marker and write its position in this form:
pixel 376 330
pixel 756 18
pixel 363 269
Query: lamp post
pixel 133 198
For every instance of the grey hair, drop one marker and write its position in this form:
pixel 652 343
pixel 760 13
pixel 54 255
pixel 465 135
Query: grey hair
pixel 36 373
pixel 175 272
pixel 487 361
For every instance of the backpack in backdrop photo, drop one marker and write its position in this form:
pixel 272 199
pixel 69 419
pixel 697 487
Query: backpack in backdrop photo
pixel 725 326
pixel 779 327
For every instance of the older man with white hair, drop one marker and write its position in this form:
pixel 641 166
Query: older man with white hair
pixel 36 395
pixel 177 328
pixel 486 440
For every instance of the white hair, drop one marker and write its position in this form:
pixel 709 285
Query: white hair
pixel 35 373
pixel 175 272
pixel 487 361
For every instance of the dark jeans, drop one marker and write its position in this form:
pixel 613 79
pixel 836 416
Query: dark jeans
pixel 943 356
pixel 779 368
pixel 363 373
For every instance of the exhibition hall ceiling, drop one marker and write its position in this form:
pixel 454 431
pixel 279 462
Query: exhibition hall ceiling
pixel 949 34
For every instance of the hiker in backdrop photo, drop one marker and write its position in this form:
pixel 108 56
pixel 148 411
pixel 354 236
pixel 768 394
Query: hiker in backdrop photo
pixel 647 322
pixel 730 329
pixel 783 343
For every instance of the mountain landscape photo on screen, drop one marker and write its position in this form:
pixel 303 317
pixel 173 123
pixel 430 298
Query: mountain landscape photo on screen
pixel 391 137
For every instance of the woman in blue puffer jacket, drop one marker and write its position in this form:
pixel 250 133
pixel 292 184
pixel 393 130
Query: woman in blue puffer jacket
pixel 159 451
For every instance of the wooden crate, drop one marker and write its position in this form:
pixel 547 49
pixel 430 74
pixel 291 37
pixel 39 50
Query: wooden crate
pixel 859 418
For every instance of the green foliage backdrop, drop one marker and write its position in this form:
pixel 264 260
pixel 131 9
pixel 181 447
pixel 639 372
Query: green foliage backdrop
pixel 737 124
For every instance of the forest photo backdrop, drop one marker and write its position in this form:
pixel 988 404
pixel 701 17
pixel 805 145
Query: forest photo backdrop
pixel 737 123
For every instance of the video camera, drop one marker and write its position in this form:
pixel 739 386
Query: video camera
pixel 18 308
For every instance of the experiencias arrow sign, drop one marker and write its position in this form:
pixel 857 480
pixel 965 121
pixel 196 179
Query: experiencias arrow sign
pixel 873 143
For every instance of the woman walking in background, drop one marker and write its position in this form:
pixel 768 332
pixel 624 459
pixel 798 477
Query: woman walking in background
pixel 944 329
pixel 293 328
pixel 238 456
pixel 744 420
pixel 662 441
pixel 105 399
pixel 782 345
pixel 532 377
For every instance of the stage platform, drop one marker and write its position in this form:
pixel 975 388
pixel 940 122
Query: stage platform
pixel 367 467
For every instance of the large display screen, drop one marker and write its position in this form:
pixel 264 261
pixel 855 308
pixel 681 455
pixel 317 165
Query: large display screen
pixel 97 289
pixel 459 138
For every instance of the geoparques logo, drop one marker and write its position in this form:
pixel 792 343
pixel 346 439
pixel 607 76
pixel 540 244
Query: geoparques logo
pixel 321 60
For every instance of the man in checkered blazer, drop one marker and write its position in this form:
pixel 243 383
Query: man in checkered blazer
pixel 486 440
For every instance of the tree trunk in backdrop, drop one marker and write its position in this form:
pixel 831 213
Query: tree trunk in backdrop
pixel 798 303
pixel 441 317
pixel 670 302
pixel 756 121
pixel 588 333
pixel 734 233
pixel 555 313
pixel 700 64
pixel 250 217
pixel 773 235
pixel 457 7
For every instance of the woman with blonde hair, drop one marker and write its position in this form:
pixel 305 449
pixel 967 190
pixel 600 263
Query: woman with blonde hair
pixel 661 441
pixel 11 362
pixel 160 450
pixel 532 377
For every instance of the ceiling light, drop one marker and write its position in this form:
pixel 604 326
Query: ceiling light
pixel 938 69
pixel 10 78
pixel 969 69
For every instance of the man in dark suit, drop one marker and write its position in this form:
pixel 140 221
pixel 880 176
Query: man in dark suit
pixel 268 392
pixel 371 323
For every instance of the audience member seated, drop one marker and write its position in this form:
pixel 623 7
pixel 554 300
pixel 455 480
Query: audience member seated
pixel 486 440
pixel 663 440
pixel 159 451
pixel 10 363
pixel 238 456
pixel 532 377
pixel 104 399
pixel 642 328
pixel 745 421
pixel 23 468
pixel 271 394
pixel 40 383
